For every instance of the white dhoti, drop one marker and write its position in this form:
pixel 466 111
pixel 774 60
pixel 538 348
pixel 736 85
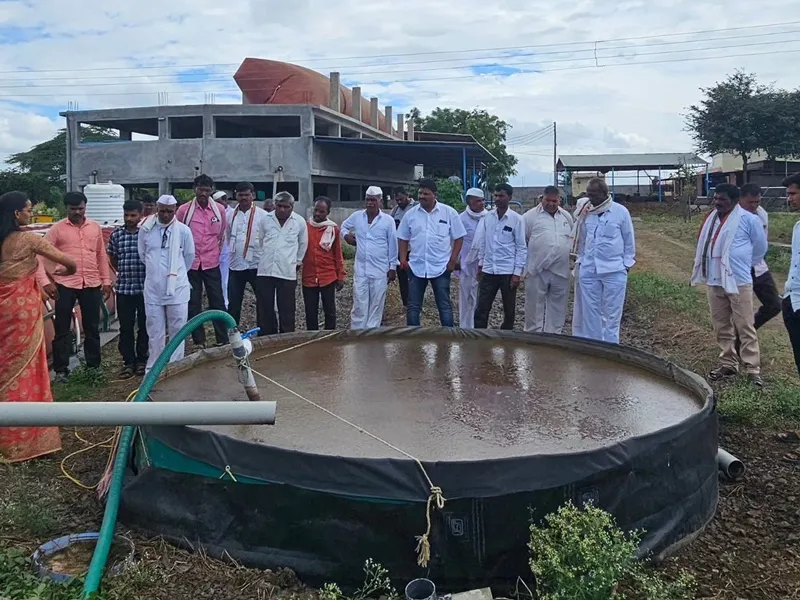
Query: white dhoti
pixel 369 300
pixel 601 298
pixel 224 269
pixel 163 321
pixel 467 296
pixel 546 296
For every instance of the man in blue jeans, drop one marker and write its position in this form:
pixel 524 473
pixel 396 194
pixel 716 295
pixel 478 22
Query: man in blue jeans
pixel 434 233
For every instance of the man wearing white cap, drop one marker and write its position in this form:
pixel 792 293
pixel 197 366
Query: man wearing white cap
pixel 373 234
pixel 166 247
pixel 548 232
pixel 468 265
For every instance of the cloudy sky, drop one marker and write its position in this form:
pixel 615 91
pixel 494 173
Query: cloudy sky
pixel 615 76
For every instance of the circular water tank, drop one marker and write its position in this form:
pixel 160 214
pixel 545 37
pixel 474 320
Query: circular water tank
pixel 104 203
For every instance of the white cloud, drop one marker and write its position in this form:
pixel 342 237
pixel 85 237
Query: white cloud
pixel 635 108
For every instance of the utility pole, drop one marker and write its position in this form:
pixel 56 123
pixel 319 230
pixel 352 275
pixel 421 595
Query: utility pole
pixel 555 155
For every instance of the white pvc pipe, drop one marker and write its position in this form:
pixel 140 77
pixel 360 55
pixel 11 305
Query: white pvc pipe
pixel 117 414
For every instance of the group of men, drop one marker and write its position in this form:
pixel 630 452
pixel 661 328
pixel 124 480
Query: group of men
pixel 729 260
pixel 493 251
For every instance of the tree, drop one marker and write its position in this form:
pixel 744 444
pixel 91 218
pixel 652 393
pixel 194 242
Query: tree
pixel 35 185
pixel 487 129
pixel 738 116
pixel 450 193
pixel 49 159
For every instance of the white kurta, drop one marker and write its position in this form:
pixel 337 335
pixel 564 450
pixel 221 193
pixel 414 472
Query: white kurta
pixel 225 260
pixel 468 274
pixel 282 246
pixel 376 255
pixel 549 239
pixel 166 314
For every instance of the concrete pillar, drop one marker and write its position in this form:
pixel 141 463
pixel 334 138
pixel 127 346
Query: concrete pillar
pixel 356 103
pixel 163 128
pixel 164 187
pixel 400 125
pixel 411 130
pixel 373 112
pixel 387 113
pixel 335 85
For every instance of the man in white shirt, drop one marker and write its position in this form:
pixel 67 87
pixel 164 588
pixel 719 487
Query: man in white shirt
pixel 763 284
pixel 224 252
pixel 548 232
pixel 468 265
pixel 372 232
pixel 731 241
pixel 284 240
pixel 605 251
pixel 243 244
pixel 434 234
pixel 166 247
pixel 500 243
pixel 791 297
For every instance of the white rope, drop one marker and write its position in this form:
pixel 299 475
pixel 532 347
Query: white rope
pixel 436 498
pixel 306 343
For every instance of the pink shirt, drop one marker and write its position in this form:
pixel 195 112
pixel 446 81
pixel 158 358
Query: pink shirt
pixel 207 232
pixel 86 246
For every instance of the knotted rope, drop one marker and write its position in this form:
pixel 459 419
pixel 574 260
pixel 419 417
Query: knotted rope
pixel 436 499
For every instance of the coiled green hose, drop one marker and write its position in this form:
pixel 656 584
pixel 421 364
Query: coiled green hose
pixel 100 556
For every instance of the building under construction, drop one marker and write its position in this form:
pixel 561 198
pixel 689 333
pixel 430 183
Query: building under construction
pixel 296 130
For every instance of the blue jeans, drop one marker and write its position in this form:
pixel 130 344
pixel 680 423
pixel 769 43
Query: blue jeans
pixel 441 292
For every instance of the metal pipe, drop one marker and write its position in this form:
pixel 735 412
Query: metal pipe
pixel 241 353
pixel 118 414
pixel 730 466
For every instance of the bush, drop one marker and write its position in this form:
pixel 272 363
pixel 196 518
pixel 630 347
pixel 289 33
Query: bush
pixel 376 585
pixel 450 193
pixel 581 554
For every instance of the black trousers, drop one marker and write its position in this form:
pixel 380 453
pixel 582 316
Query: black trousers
pixel 791 318
pixel 237 282
pixel 267 290
pixel 311 296
pixel 89 299
pixel 132 347
pixel 402 280
pixel 767 293
pixel 211 279
pixel 487 291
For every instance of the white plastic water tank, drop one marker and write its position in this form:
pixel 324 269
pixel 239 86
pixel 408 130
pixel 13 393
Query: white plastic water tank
pixel 104 203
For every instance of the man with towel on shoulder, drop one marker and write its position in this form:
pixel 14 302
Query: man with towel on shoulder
pixel 166 247
pixel 323 266
pixel 732 241
pixel 467 270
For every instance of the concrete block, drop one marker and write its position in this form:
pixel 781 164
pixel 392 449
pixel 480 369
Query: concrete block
pixel 400 125
pixel 388 120
pixel 356 103
pixel 334 100
pixel 480 594
pixel 373 112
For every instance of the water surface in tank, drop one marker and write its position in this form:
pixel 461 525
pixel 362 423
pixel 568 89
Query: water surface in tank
pixel 443 399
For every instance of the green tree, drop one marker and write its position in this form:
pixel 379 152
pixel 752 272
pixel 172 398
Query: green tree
pixel 36 185
pixel 488 130
pixel 450 193
pixel 49 159
pixel 739 116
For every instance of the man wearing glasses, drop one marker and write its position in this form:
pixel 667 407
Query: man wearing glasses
pixel 166 247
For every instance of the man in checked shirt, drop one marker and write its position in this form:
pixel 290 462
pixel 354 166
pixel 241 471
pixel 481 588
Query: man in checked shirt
pixel 123 251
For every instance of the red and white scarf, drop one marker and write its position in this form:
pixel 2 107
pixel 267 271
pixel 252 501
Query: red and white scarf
pixel 249 231
pixel 329 236
pixel 187 220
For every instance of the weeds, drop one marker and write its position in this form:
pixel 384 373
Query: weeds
pixel 83 382
pixel 22 510
pixel 581 554
pixel 376 584
pixel 653 293
pixel 18 582
pixel 777 404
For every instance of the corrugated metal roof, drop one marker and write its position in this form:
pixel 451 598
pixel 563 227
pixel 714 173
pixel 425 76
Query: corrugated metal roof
pixel 633 162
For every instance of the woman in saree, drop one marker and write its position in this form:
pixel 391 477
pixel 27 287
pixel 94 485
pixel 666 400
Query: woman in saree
pixel 24 373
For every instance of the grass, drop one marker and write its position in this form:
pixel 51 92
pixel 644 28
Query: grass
pixel 83 383
pixel 775 406
pixel 653 292
pixel 22 507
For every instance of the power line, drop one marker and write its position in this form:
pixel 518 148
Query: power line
pixel 429 53
pixel 459 77
pixel 544 130
pixel 384 74
pixel 590 50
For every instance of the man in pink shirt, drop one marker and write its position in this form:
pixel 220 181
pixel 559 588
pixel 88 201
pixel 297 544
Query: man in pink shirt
pixel 82 240
pixel 206 220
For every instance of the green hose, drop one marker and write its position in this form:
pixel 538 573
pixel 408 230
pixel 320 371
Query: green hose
pixel 100 556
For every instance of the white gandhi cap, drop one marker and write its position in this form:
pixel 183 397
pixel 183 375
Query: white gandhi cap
pixel 475 193
pixel 167 200
pixel 374 190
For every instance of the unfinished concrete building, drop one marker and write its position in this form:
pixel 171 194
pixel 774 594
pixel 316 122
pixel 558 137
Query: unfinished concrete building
pixel 292 138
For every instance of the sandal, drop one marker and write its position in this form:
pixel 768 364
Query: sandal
pixel 126 373
pixel 140 370
pixel 793 458
pixel 722 373
pixel 788 437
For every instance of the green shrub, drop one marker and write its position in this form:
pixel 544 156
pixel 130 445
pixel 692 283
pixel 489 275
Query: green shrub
pixel 450 193
pixel 376 585
pixel 581 554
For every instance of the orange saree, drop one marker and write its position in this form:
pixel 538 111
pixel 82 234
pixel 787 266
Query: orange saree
pixel 24 373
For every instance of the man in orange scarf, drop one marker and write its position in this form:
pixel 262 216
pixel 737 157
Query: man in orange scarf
pixel 323 266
